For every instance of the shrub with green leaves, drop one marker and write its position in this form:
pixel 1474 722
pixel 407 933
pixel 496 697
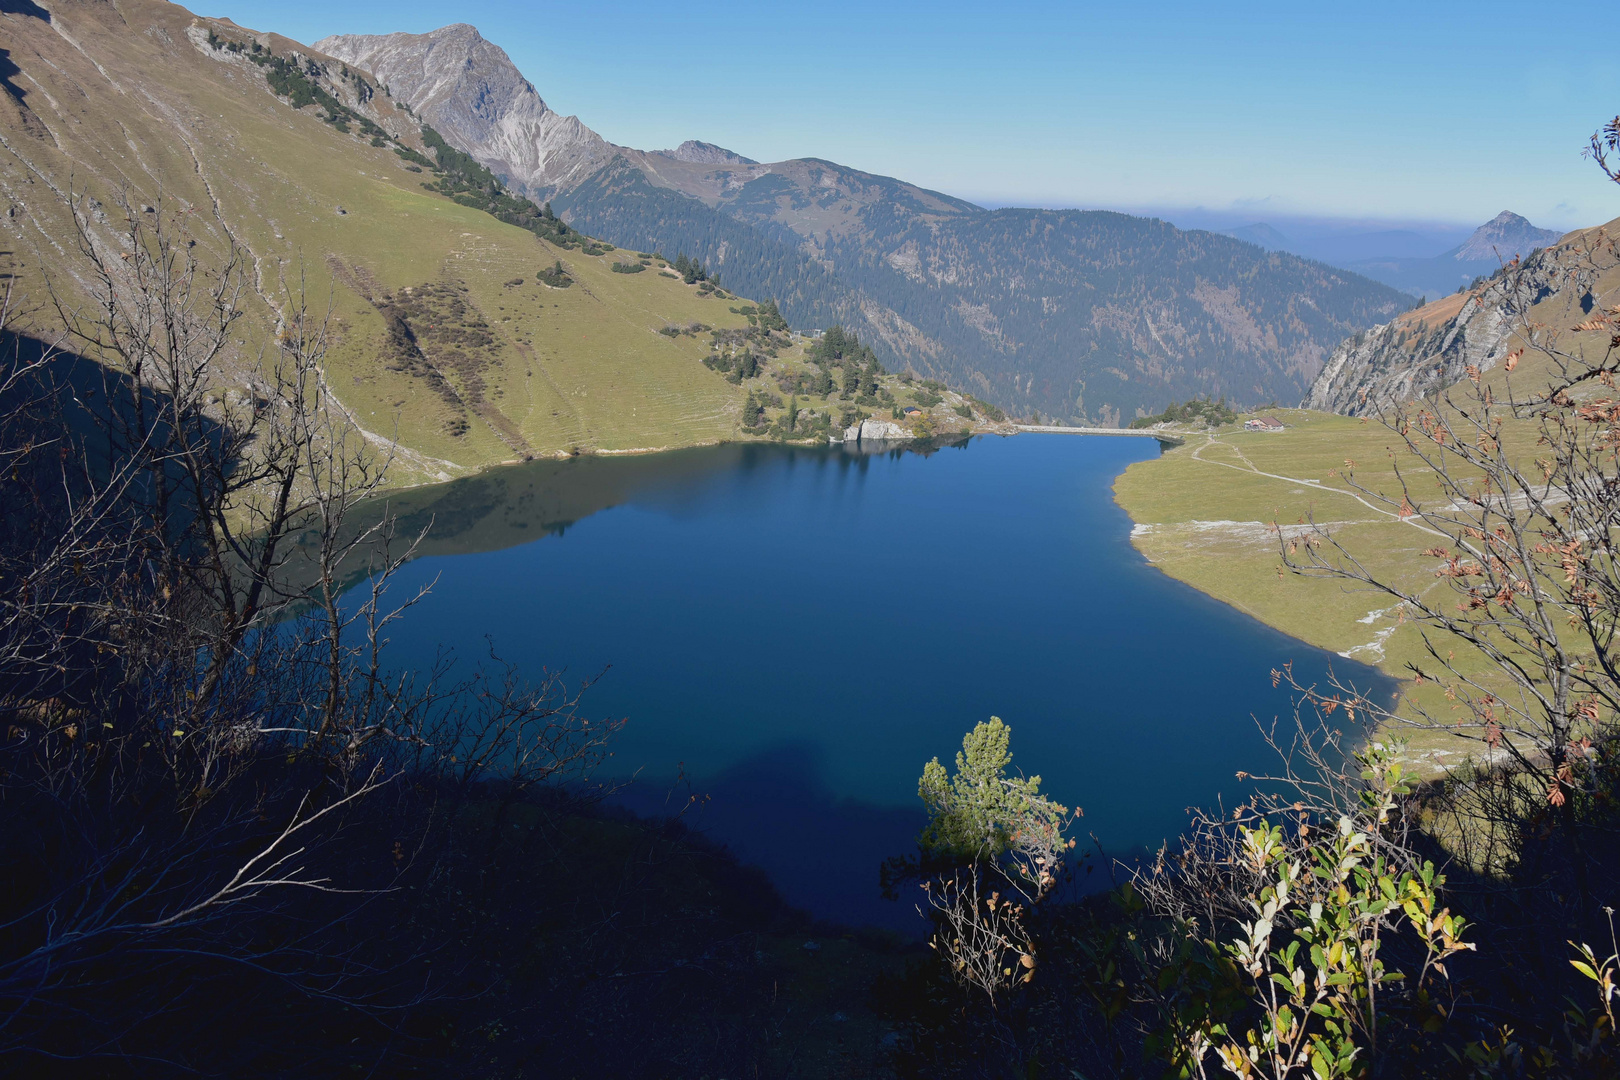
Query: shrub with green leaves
pixel 1326 902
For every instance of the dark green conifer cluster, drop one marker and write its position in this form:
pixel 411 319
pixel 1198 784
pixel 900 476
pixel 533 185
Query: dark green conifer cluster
pixel 693 272
pixel 555 276
pixel 1212 413
pixel 858 368
pixel 297 83
pixel 467 182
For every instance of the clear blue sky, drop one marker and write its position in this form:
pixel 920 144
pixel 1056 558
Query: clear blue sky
pixel 1438 111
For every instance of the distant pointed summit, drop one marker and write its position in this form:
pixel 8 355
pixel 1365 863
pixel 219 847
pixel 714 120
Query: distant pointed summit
pixel 1501 238
pixel 703 153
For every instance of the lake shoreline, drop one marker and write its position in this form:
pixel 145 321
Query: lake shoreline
pixel 1004 430
pixel 794 629
pixel 1205 571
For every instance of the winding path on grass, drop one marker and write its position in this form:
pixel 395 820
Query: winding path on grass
pixel 1211 440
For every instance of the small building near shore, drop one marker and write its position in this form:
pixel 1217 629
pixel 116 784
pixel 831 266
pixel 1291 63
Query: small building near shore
pixel 910 412
pixel 1263 423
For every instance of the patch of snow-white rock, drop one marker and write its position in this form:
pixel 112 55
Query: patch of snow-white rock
pixel 882 431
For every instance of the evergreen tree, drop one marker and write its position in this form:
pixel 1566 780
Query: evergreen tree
pixel 980 812
pixel 868 384
pixel 769 317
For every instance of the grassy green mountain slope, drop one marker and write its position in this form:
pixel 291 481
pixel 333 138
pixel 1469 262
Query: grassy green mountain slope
pixel 442 332
pixel 1077 315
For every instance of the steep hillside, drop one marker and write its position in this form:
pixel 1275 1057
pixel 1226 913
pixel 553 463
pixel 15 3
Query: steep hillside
pixel 470 91
pixel 1434 346
pixel 1107 316
pixel 450 327
pixel 1076 315
pixel 620 200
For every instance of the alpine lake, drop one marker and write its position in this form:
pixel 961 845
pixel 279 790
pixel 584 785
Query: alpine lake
pixel 790 634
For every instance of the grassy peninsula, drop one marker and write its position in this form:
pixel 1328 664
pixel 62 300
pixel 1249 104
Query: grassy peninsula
pixel 1205 514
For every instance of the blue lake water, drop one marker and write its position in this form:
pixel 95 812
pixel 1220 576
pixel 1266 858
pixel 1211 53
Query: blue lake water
pixel 798 631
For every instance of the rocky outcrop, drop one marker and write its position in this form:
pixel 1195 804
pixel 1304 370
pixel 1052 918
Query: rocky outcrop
pixel 1433 346
pixel 472 94
pixel 1409 357
pixel 883 431
pixel 873 431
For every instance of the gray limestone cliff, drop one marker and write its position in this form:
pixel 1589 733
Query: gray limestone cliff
pixel 883 431
pixel 1432 347
pixel 472 94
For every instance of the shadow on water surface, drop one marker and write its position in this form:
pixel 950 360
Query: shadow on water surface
pixel 805 628
pixel 777 811
pixel 518 504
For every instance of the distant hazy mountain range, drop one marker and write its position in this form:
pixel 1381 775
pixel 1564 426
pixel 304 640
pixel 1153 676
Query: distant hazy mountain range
pixel 1076 314
pixel 1498 241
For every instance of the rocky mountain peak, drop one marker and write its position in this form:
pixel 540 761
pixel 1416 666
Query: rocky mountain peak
pixel 469 90
pixel 703 153
pixel 1434 346
pixel 1504 236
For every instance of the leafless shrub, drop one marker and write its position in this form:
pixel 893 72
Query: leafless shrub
pixel 1523 543
pixel 981 937
pixel 195 713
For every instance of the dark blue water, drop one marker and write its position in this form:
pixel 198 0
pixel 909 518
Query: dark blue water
pixel 799 631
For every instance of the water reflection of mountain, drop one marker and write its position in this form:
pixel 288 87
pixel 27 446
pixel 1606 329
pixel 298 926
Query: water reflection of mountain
pixel 797 631
pixel 515 504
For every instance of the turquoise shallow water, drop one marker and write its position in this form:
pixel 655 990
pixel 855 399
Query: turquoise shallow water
pixel 797 632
